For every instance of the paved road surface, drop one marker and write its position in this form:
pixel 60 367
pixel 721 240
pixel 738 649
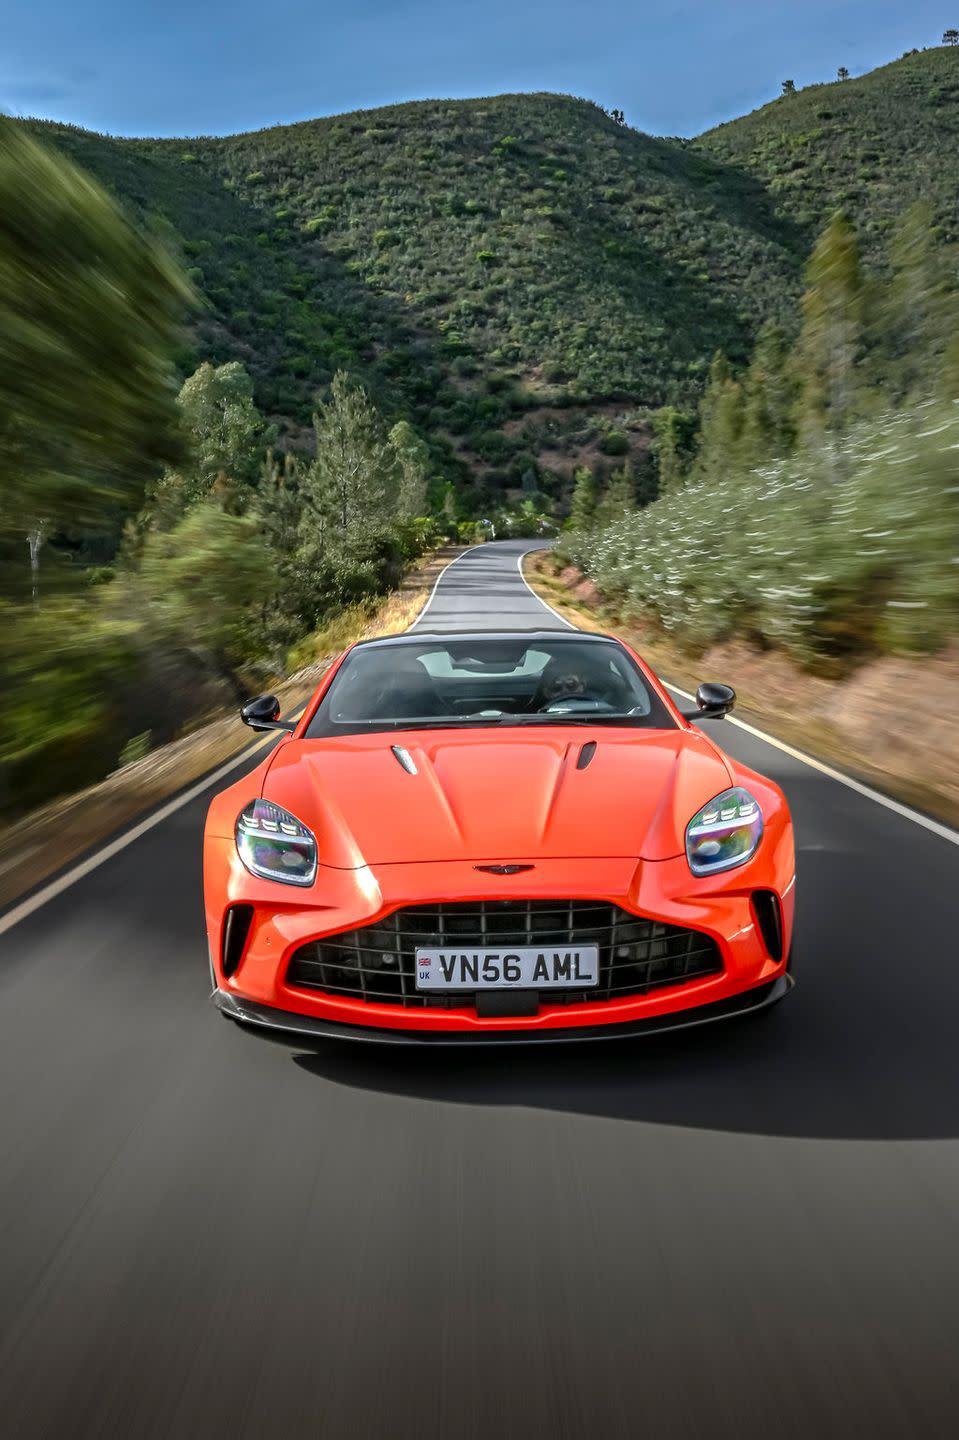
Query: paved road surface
pixel 752 1230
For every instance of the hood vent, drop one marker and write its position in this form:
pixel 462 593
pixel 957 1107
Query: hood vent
pixel 404 758
pixel 586 754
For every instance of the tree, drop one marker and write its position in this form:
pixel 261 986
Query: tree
pixel 353 480
pixel 673 432
pixel 619 496
pixel 769 398
pixel 224 436
pixel 413 459
pixel 950 37
pixel 843 73
pixel 721 421
pixel 830 340
pixel 918 309
pixel 206 581
pixel 89 314
pixel 789 87
pixel 582 511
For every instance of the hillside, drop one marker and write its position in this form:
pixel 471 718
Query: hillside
pixel 471 260
pixel 521 276
pixel 870 146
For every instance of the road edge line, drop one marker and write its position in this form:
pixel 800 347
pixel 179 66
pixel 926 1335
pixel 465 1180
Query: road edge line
pixel 935 827
pixel 432 595
pixel 545 603
pixel 25 908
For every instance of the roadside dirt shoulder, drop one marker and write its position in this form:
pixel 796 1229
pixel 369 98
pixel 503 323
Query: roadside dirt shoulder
pixel 38 845
pixel 891 724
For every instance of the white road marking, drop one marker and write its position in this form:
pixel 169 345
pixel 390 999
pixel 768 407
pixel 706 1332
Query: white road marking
pixel 432 595
pixel 519 567
pixel 100 857
pixel 934 827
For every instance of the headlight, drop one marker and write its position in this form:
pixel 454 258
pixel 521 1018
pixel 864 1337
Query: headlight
pixel 724 833
pixel 273 844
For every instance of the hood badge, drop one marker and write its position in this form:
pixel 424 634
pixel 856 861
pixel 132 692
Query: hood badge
pixel 504 869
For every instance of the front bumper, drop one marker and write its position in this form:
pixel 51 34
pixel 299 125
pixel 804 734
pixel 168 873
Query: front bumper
pixel 260 989
pixel 247 1012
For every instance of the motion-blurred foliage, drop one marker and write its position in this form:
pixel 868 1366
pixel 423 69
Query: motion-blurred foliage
pixel 89 311
pixel 819 508
pixel 156 553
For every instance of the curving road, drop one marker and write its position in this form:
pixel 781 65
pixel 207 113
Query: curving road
pixel 749 1230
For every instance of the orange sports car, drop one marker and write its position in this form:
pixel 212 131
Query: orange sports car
pixel 496 837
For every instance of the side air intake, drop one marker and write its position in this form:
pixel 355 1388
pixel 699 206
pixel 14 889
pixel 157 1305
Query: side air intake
pixel 769 918
pixel 236 930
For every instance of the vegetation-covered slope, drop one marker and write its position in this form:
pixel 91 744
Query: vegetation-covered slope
pixel 469 259
pixel 871 146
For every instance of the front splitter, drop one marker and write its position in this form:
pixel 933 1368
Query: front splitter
pixel 246 1012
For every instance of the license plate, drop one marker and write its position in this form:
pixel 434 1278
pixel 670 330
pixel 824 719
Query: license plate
pixel 527 968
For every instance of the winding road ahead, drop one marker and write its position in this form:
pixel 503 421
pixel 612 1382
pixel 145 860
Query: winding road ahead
pixel 747 1230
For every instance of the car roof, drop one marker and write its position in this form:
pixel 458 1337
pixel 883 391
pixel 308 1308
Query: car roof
pixel 533 636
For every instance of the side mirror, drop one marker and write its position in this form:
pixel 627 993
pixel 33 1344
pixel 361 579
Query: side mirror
pixel 713 701
pixel 263 713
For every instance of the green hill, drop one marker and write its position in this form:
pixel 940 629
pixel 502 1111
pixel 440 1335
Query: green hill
pixel 870 146
pixel 472 260
pixel 520 276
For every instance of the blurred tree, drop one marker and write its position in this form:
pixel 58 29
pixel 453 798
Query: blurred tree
pixel 89 313
pixel 830 340
pixel 769 398
pixel 582 511
pixel 950 37
pixel 789 87
pixel 206 581
pixel 721 422
pixel 413 460
pixel 673 432
pixel 918 308
pixel 619 496
pixel 843 73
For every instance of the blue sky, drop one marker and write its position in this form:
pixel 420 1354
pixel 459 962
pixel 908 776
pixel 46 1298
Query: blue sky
pixel 181 67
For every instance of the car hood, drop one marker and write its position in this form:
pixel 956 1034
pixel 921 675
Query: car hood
pixel 497 798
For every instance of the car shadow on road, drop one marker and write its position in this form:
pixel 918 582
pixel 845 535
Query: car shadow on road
pixel 864 1048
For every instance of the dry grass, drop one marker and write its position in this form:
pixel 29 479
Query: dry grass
pixel 854 723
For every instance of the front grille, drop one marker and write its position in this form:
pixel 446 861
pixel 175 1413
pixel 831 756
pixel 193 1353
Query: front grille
pixel 375 962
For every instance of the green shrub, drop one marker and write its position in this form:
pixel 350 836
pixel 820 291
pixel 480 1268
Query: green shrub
pixel 614 442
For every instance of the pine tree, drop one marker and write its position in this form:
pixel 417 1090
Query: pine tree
pixel 619 496
pixel 721 420
pixel 673 432
pixel 919 313
pixel 769 398
pixel 830 341
pixel 413 461
pixel 582 510
pixel 353 479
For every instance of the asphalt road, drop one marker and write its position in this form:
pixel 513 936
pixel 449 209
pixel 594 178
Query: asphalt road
pixel 748 1230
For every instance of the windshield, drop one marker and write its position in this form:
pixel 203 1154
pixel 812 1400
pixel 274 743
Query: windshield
pixel 489 680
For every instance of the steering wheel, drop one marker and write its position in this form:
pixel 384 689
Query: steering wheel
pixel 573 704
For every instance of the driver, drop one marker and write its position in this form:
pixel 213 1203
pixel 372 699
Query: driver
pixel 564 678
